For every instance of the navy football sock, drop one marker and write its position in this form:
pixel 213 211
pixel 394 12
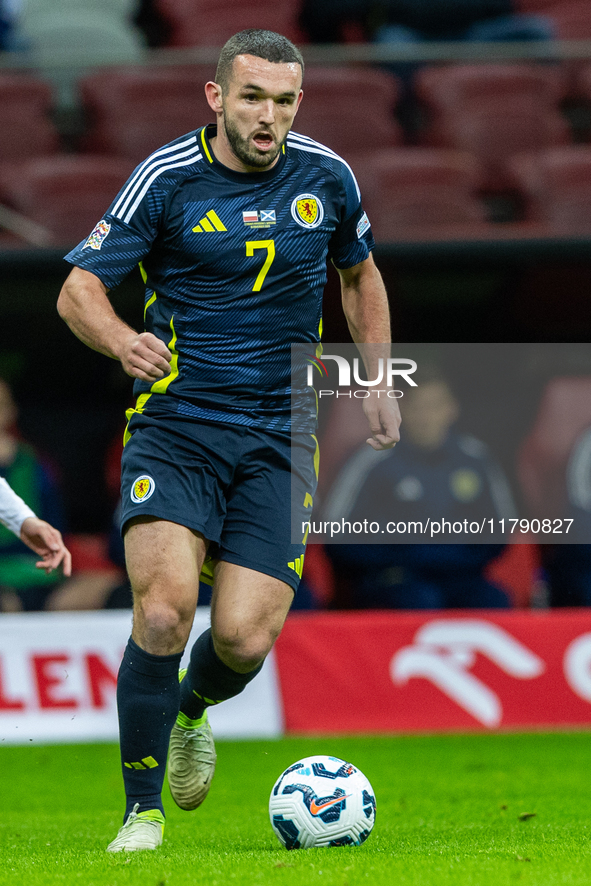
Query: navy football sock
pixel 208 680
pixel 148 703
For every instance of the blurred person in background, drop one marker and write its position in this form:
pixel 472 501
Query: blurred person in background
pixel 414 21
pixel 10 38
pixel 27 488
pixel 38 535
pixel 568 566
pixel 407 22
pixel 434 472
pixel 22 584
pixel 400 23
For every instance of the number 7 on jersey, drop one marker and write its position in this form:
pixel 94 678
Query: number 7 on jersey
pixel 269 245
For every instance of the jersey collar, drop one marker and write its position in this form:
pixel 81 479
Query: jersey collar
pixel 208 132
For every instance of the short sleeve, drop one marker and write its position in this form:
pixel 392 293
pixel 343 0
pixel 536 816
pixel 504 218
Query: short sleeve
pixel 353 240
pixel 124 236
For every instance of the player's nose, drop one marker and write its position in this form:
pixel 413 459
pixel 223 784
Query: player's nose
pixel 267 113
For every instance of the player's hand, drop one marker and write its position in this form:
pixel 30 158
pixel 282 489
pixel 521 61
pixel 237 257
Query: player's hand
pixel 145 357
pixel 384 420
pixel 48 543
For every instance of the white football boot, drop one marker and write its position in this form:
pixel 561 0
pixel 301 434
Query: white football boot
pixel 142 830
pixel 191 762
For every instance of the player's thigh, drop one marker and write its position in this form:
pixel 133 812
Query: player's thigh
pixel 248 609
pixel 163 561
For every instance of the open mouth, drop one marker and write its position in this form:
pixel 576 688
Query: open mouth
pixel 263 140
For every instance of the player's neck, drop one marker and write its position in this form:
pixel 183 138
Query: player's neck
pixel 224 154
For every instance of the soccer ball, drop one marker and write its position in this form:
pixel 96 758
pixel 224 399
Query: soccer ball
pixel 322 801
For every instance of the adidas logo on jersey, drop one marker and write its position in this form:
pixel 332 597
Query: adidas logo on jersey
pixel 209 223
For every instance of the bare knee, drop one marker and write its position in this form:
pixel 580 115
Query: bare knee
pixel 244 651
pixel 247 613
pixel 162 626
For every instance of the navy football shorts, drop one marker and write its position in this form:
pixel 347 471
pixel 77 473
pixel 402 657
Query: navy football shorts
pixel 232 483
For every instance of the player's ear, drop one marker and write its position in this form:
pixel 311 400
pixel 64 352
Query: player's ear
pixel 213 94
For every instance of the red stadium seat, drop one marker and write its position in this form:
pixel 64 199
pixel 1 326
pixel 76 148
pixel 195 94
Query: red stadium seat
pixel 133 111
pixel 212 22
pixel 515 570
pixel 26 129
pixel 556 187
pixel 493 111
pixel 421 192
pixel 66 194
pixel 564 412
pixel 90 553
pixel 349 109
pixel 319 575
pixel 572 20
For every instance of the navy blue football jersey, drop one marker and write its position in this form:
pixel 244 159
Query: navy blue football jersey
pixel 234 265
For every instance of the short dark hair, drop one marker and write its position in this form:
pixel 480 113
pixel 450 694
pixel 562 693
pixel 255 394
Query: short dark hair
pixel 262 44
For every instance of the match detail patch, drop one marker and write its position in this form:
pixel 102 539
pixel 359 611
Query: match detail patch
pixel 142 489
pixel 100 233
pixel 263 218
pixel 362 226
pixel 307 210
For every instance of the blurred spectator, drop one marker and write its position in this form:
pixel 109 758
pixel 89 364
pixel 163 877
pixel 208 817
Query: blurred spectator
pixel 20 580
pixel 10 38
pixel 578 488
pixel 408 21
pixel 568 566
pixel 472 20
pixel 22 585
pixel 5 26
pixel 412 21
pixel 38 535
pixel 434 472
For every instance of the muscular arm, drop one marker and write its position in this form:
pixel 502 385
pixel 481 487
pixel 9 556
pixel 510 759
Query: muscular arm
pixel 365 304
pixel 84 305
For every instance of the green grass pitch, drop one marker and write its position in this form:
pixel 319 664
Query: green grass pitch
pixel 463 810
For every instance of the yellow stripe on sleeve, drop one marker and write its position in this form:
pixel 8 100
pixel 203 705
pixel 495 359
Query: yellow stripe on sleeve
pixel 204 143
